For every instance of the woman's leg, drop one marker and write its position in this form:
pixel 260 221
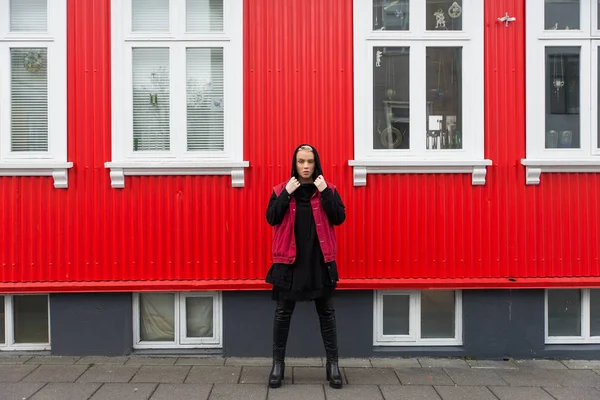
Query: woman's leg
pixel 324 306
pixel 281 327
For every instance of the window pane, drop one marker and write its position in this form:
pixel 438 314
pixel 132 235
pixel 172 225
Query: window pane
pixel 204 15
pixel 199 317
pixel 2 321
pixel 437 314
pixel 205 102
pixel 150 16
pixel 594 312
pixel 157 317
pixel 28 15
pixel 390 15
pixel 31 319
pixel 564 312
pixel 444 98
pixel 29 99
pixel 444 15
pixel 151 99
pixel 391 98
pixel 562 97
pixel 396 312
pixel 561 15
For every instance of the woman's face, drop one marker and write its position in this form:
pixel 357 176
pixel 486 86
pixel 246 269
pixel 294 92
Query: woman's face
pixel 305 165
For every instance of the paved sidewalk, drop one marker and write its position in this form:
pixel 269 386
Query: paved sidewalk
pixel 174 378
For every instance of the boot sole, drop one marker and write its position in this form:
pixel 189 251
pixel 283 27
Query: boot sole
pixel 274 385
pixel 335 385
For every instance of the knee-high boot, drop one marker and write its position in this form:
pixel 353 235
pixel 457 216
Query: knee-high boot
pixel 281 327
pixel 329 333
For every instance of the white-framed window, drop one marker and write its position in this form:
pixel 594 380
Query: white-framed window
pixel 563 133
pixel 572 316
pixel 24 322
pixel 418 88
pixel 418 318
pixel 177 89
pixel 177 320
pixel 33 89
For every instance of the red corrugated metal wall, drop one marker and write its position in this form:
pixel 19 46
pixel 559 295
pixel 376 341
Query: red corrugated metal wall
pixel 198 232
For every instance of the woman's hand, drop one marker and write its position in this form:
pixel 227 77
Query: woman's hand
pixel 292 185
pixel 320 183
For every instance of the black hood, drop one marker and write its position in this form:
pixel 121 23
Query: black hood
pixel 318 170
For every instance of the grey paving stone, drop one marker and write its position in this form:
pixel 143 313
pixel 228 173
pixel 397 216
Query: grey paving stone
pixel 14 373
pixel 124 391
pixel 575 378
pixel 146 360
pixel 184 391
pixel 491 364
pixel 395 363
pixel 443 363
pixel 353 392
pixel 205 374
pixel 251 362
pixel 370 376
pixel 102 360
pixel 423 376
pixel 543 364
pixel 200 361
pixel 297 392
pixel 520 393
pixel 223 391
pixel 161 374
pixel 409 393
pixel 354 363
pixel 465 393
pixel 66 391
pixel 261 375
pixel 474 377
pixel 574 393
pixel 109 373
pixel 314 375
pixel 14 359
pixel 582 364
pixel 528 377
pixel 53 360
pixel 303 362
pixel 56 373
pixel 12 391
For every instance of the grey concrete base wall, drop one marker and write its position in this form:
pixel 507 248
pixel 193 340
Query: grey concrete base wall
pixel 91 324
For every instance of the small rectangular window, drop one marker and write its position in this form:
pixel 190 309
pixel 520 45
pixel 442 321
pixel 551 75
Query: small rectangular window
pixel 572 316
pixel 24 322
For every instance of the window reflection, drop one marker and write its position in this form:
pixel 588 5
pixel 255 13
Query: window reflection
pixel 390 15
pixel 561 15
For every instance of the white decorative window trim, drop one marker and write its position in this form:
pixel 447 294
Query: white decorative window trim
pixel 181 341
pixel 9 335
pixel 534 168
pixel 414 336
pixel 58 171
pixel 585 337
pixel 476 168
pixel 118 170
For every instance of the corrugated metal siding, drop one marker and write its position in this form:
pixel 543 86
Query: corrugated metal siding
pixel 436 230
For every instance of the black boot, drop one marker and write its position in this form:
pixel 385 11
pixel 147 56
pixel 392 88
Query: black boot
pixel 281 327
pixel 329 333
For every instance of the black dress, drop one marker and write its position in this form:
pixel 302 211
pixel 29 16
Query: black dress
pixel 309 277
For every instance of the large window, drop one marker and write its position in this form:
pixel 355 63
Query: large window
pixel 418 87
pixel 572 316
pixel 428 317
pixel 177 320
pixel 33 87
pixel 562 102
pixel 24 322
pixel 177 88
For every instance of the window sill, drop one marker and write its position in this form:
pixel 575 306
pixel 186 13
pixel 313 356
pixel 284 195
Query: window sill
pixel 57 170
pixel 477 168
pixel 535 167
pixel 118 170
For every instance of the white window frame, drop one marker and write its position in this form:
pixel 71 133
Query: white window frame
pixel 585 337
pixel 35 163
pixel 9 333
pixel 470 159
pixel 177 161
pixel 538 158
pixel 414 336
pixel 181 341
